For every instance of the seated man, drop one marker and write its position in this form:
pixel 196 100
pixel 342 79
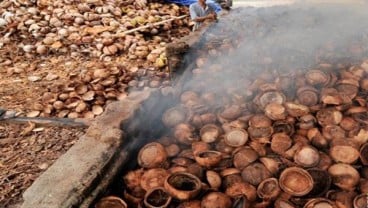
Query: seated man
pixel 202 11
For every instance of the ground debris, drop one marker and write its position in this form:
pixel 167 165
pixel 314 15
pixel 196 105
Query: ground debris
pixel 25 154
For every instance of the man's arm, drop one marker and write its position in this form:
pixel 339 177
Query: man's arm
pixel 202 19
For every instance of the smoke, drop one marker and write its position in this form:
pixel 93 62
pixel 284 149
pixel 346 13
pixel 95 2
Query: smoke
pixel 279 40
pixel 270 42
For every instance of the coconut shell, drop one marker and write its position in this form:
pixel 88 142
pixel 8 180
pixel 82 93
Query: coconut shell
pixel 364 154
pixel 97 110
pixel 174 116
pixel 182 186
pixel 280 143
pixel 208 158
pixel 152 155
pixel 360 201
pixel 153 178
pixel 284 203
pixel 308 95
pixel 88 96
pixel 190 204
pixel 33 114
pixel 296 181
pixel 320 202
pixel 216 200
pixel 242 189
pixel 275 111
pixel 344 176
pixel 231 112
pixel 111 202
pixel 329 117
pixel 236 137
pixel 342 150
pixel 268 189
pixel 283 127
pixel 307 156
pixel 259 133
pixel 272 164
pixel 255 173
pixel 184 134
pixel 244 157
pixel 213 179
pixel 271 97
pixel 317 77
pixel 209 133
pixel 157 197
pixel 296 110
pixel 259 121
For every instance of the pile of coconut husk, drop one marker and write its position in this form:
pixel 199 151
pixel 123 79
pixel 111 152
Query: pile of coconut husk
pixel 69 59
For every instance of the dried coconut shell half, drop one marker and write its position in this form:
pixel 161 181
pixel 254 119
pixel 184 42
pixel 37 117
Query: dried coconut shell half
pixel 271 97
pixel 174 116
pixel 296 181
pixel 296 110
pixel 97 110
pixel 236 137
pixel 209 133
pixel 111 201
pixel 329 116
pixel 344 176
pixel 33 114
pixel 275 111
pixel 317 77
pixel 308 95
pixel 320 202
pixel 88 96
pixel 153 178
pixel 152 155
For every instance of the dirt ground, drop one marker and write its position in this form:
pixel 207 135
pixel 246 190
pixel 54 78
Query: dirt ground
pixel 26 151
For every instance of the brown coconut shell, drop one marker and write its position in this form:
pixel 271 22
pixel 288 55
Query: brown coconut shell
pixel 280 143
pixel 182 186
pixel 244 157
pixel 153 178
pixel 344 176
pixel 216 199
pixel 320 202
pixel 209 133
pixel 157 197
pixel 208 158
pixel 152 155
pixel 255 173
pixel 296 181
pixel 268 189
pixel 236 137
pixel 111 202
